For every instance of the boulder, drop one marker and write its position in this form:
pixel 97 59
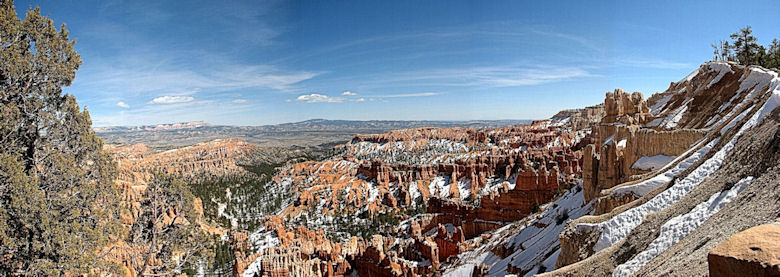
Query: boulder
pixel 753 252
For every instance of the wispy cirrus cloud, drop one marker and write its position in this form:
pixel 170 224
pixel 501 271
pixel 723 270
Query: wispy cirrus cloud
pixel 321 98
pixel 421 94
pixel 651 63
pixel 168 99
pixel 496 76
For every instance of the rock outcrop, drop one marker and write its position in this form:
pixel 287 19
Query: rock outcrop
pixel 579 119
pixel 753 252
pixel 620 140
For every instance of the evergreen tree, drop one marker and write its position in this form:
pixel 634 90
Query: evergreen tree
pixel 773 55
pixel 58 202
pixel 165 238
pixel 745 47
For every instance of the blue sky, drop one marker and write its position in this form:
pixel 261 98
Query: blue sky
pixel 267 62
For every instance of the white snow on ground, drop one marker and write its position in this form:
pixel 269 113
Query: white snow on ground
pixel 494 185
pixel 534 240
pixel 753 82
pixel 261 240
pixel 646 186
pixel 439 187
pixel 464 188
pixel 373 191
pixel 678 114
pixel 690 76
pixel 557 122
pixel 712 120
pixel 622 143
pixel 414 192
pixel 655 109
pixel 722 68
pixel 609 140
pixel 652 162
pixel 618 227
pixel 680 226
pixel 672 118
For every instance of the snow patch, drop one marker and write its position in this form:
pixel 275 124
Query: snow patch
pixel 652 162
pixel 261 240
pixel 618 227
pixel 680 226
pixel 646 186
pixel 655 109
pixel 722 68
pixel 439 187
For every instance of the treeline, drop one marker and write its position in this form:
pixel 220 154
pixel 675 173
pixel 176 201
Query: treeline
pixel 744 49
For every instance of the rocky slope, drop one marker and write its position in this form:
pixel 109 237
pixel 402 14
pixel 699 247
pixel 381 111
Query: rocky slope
pixel 719 129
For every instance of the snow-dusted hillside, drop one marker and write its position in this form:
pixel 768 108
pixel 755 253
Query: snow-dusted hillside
pixel 730 102
pixel 642 222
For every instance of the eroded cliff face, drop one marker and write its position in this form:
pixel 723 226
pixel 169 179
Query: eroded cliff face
pixel 430 193
pixel 621 141
pixel 658 172
pixel 137 163
pixel 579 119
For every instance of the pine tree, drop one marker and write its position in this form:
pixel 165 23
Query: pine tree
pixel 745 46
pixel 773 55
pixel 165 237
pixel 58 202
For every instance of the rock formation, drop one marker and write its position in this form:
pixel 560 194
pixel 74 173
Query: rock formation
pixel 753 252
pixel 469 182
pixel 621 141
pixel 714 129
pixel 579 119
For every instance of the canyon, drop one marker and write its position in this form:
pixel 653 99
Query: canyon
pixel 592 191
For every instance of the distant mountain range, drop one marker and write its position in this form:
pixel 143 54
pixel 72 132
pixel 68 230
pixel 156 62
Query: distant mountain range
pixel 309 132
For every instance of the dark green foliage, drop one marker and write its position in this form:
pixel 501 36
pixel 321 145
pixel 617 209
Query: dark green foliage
pixel 165 234
pixel 223 258
pixel 561 217
pixel 58 204
pixel 744 49
pixel 251 197
pixel 419 209
pixel 500 172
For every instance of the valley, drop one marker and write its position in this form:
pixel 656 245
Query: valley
pixel 522 199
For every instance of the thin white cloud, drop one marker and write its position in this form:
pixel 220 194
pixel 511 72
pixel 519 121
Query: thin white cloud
pixel 171 99
pixel 318 98
pixel 239 101
pixel 361 99
pixel 652 63
pixel 421 94
pixel 348 93
pixel 122 104
pixel 498 76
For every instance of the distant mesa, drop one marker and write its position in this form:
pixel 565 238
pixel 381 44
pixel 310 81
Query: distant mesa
pixel 158 127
